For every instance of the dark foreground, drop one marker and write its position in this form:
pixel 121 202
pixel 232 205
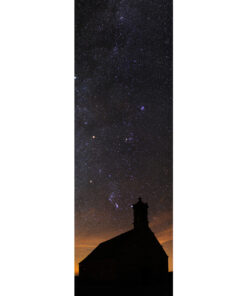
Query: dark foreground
pixel 142 290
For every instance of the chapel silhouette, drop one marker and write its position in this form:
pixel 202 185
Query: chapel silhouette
pixel 134 258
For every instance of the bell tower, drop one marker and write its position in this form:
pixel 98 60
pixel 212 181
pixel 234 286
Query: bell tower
pixel 140 215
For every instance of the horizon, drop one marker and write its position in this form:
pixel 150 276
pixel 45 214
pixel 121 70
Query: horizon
pixel 165 239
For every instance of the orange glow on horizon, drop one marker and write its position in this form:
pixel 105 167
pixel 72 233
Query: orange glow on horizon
pixel 82 249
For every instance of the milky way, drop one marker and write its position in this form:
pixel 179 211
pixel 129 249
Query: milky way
pixel 123 117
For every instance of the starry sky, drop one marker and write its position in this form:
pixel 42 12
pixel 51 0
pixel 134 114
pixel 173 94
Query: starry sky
pixel 123 119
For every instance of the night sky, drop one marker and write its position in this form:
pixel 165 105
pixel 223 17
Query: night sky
pixel 123 119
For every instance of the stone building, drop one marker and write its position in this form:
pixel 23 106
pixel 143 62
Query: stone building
pixel 132 258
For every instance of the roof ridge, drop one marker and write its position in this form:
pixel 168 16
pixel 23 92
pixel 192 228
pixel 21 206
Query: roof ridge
pixel 118 236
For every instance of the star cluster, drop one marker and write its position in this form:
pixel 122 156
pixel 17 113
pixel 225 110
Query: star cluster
pixel 123 117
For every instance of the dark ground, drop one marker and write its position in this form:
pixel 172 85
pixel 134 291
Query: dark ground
pixel 165 290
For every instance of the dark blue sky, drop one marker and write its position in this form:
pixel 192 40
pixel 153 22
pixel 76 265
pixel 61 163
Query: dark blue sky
pixel 123 117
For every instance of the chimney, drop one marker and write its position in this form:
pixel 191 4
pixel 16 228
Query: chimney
pixel 140 215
